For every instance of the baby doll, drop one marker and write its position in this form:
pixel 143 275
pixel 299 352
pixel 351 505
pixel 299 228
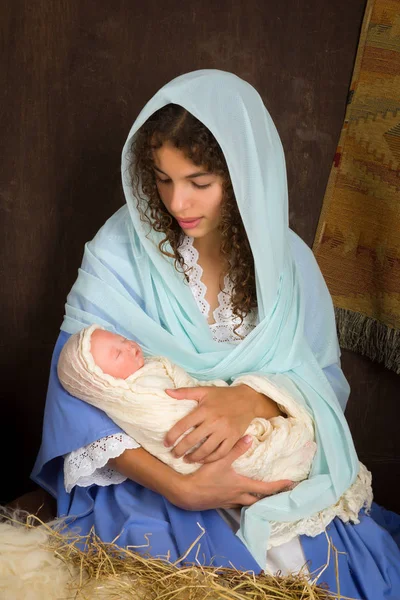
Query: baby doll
pixel 111 373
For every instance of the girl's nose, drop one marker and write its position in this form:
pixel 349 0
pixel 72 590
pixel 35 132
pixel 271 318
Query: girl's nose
pixel 179 201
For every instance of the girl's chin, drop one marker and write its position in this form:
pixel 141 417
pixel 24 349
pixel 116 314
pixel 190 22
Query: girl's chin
pixel 198 232
pixel 211 233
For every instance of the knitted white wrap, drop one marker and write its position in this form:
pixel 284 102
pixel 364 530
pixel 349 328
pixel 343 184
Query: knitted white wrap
pixel 282 448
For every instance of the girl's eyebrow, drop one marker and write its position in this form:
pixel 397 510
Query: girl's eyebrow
pixel 191 176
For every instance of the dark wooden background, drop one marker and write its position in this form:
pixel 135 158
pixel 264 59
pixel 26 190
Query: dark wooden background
pixel 75 75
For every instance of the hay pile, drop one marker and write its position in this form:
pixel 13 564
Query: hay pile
pixel 39 562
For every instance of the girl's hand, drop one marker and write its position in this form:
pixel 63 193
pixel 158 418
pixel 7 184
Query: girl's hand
pixel 217 485
pixel 219 421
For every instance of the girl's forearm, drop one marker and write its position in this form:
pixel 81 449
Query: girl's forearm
pixel 141 466
pixel 214 485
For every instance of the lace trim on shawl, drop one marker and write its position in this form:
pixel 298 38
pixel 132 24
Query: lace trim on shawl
pixel 87 466
pixel 358 496
pixel 223 328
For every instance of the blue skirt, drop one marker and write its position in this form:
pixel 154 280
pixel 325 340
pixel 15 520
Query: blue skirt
pixel 369 559
pixel 368 556
pixel 368 553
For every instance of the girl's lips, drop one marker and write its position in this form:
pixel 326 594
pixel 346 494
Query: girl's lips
pixel 189 224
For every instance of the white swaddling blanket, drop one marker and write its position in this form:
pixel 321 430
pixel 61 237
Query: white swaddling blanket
pixel 282 448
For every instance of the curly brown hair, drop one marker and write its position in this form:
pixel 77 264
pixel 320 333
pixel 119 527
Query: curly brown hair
pixel 174 124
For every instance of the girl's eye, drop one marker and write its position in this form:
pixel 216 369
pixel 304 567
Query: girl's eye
pixel 196 185
pixel 118 353
pixel 201 187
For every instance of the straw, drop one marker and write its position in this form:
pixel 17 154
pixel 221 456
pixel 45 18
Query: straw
pixel 108 571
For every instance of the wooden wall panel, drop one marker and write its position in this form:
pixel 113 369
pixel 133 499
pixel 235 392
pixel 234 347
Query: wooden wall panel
pixel 74 76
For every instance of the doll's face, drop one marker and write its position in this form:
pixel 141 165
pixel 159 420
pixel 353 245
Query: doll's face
pixel 191 195
pixel 114 354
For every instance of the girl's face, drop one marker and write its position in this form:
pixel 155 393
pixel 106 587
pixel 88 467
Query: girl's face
pixel 114 354
pixel 189 193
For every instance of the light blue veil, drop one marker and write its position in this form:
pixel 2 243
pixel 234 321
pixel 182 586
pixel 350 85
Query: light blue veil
pixel 128 285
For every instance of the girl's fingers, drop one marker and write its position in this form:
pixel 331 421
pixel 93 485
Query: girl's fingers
pixel 247 499
pixel 238 449
pixel 190 393
pixel 209 448
pixel 221 451
pixel 192 439
pixel 266 488
pixel 193 419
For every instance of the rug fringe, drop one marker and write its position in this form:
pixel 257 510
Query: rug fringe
pixel 369 337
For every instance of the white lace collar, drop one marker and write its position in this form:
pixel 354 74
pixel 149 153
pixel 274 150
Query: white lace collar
pixel 225 321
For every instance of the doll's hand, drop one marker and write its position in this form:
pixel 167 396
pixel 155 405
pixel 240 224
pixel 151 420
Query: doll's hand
pixel 217 485
pixel 219 421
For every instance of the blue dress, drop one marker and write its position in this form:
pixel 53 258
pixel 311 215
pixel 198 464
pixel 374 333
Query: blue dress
pixel 369 559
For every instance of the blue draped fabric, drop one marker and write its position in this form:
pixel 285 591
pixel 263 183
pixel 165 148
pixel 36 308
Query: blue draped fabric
pixel 368 556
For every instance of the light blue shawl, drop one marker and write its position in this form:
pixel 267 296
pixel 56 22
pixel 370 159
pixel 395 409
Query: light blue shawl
pixel 126 284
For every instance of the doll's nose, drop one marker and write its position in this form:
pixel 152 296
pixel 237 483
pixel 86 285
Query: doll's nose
pixel 134 348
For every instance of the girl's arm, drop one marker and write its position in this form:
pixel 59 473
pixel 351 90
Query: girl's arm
pixel 215 485
pixel 141 466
